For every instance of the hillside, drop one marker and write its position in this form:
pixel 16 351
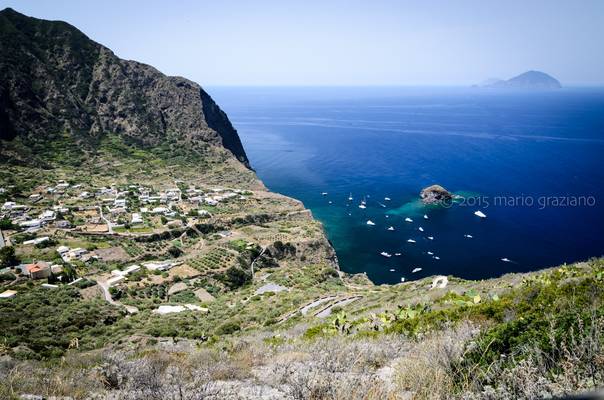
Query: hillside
pixel 56 80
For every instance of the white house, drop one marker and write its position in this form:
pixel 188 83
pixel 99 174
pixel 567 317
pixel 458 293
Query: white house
pixel 158 265
pixel 48 216
pixel 8 294
pixel 37 240
pixel 136 219
pixel 115 280
pixel 8 205
pixel 33 223
pixel 119 203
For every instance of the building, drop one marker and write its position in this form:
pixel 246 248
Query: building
pixel 8 294
pixel 158 265
pixel 33 223
pixel 115 280
pixel 39 270
pixel 37 240
pixel 48 216
pixel 136 219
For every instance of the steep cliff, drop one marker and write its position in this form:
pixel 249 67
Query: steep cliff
pixel 56 80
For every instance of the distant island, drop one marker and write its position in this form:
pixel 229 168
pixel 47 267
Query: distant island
pixel 526 80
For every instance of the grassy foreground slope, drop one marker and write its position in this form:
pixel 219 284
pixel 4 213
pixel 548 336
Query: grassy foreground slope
pixel 519 336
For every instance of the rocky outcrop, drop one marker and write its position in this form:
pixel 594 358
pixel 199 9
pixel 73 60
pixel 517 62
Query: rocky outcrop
pixel 435 194
pixel 55 80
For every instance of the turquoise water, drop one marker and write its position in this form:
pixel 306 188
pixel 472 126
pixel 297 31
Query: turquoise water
pixel 532 162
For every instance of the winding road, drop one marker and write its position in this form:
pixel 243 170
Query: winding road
pixel 105 288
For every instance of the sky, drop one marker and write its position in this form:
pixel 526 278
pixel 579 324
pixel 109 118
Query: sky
pixel 337 42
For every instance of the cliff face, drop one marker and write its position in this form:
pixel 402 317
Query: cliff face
pixel 55 79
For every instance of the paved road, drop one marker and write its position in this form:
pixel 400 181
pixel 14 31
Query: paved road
pixel 109 227
pixel 105 287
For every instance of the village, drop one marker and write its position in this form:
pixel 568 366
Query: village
pixel 139 246
pixel 56 212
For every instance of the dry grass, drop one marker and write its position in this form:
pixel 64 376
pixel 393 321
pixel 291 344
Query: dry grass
pixel 336 368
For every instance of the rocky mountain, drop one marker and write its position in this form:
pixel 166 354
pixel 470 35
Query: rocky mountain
pixel 57 80
pixel 526 80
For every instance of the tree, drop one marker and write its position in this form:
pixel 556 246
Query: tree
pixel 8 257
pixel 6 223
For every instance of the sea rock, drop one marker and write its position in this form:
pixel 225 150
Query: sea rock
pixel 435 194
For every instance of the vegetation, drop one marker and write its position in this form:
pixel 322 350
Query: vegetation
pixel 45 323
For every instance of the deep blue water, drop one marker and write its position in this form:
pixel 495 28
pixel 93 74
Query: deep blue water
pixel 392 142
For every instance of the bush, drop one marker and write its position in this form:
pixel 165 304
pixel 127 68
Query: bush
pixel 228 328
pixel 8 257
pixel 45 321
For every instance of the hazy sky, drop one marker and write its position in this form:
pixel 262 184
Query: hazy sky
pixel 258 42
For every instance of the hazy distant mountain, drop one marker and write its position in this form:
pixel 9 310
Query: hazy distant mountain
pixel 527 80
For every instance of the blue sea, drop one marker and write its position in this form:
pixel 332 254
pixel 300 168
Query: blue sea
pixel 533 162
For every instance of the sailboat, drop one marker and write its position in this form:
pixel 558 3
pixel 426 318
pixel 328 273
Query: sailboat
pixel 370 222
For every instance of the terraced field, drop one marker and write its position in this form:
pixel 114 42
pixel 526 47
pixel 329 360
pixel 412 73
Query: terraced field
pixel 217 259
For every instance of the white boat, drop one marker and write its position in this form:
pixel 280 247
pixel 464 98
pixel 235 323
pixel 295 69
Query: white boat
pixel 408 220
pixel 425 216
pixel 382 205
pixel 324 194
pixel 383 253
pixel 430 253
pixel 370 222
pixel 430 237
pixel 403 279
pixel 363 202
pixel 350 197
pixel 416 270
pixel 506 260
pixel 362 206
pixel 420 229
pixel 410 241
pixel 392 269
pixel 386 198
pixel 480 214
pixel 468 236
pixel 386 215
pixel 330 202
pixel 397 254
pixel 391 228
pixel 436 257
